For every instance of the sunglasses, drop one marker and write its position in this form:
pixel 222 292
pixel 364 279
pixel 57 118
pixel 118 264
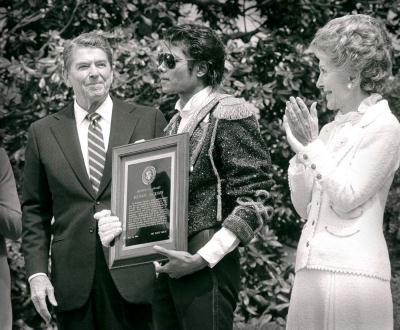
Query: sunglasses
pixel 170 60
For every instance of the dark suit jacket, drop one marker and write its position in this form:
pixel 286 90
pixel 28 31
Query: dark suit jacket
pixel 57 185
pixel 10 227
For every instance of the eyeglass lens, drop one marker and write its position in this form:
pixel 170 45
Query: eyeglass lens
pixel 168 59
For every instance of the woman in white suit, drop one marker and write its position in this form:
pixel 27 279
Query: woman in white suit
pixel 339 181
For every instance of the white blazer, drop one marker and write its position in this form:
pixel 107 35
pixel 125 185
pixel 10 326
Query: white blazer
pixel 340 183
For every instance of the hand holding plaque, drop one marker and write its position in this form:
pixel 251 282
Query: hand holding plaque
pixel 149 197
pixel 180 263
pixel 109 226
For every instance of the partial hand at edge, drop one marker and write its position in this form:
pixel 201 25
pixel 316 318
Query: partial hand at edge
pixel 41 288
pixel 180 263
pixel 303 122
pixel 109 226
pixel 293 142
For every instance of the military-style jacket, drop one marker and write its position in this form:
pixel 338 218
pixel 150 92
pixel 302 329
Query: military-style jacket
pixel 230 168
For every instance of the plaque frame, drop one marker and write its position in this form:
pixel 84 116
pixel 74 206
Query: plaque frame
pixel 174 148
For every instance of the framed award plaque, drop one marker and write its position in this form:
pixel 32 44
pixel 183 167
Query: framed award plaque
pixel 149 195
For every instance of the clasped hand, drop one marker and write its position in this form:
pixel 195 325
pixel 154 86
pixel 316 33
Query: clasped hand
pixel 180 263
pixel 300 124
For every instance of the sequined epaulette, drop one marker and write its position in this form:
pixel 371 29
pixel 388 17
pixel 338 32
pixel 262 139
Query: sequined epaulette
pixel 232 108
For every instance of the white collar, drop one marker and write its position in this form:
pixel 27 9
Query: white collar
pixel 196 102
pixel 104 110
pixel 364 107
pixel 368 102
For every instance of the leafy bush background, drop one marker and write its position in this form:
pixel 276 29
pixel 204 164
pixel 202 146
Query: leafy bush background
pixel 266 63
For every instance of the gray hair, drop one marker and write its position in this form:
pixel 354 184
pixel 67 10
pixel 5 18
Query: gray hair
pixel 360 43
pixel 92 39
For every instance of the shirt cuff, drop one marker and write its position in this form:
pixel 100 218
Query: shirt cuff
pixel 35 275
pixel 222 242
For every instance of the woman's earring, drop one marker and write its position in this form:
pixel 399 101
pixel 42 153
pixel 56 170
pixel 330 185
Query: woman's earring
pixel 349 85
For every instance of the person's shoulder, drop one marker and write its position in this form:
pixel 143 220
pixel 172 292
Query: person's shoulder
pixel 384 117
pixel 46 121
pixel 133 106
pixel 233 108
pixel 3 153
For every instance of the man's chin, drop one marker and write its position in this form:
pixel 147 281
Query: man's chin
pixel 97 94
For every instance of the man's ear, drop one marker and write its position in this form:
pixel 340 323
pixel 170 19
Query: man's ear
pixel 202 69
pixel 65 76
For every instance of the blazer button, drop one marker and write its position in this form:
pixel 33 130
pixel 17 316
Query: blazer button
pixel 91 230
pixel 319 176
pixel 313 223
pixel 97 203
pixel 305 157
pixel 308 244
pixel 313 166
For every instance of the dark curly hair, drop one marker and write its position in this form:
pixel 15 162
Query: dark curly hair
pixel 201 44
pixel 358 42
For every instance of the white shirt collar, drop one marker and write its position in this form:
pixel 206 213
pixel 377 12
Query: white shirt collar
pixel 196 102
pixel 104 110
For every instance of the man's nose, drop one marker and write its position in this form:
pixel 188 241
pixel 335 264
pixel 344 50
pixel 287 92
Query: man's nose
pixel 93 71
pixel 319 83
pixel 161 67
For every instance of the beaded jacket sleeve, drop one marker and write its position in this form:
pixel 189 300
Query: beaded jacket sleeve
pixel 243 163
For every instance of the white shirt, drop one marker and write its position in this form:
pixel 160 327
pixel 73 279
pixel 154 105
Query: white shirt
pixel 223 241
pixel 82 126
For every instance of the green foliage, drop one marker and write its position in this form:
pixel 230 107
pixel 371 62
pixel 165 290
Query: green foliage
pixel 265 65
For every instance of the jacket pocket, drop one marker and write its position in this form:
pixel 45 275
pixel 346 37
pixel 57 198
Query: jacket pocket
pixel 355 213
pixel 57 239
pixel 342 232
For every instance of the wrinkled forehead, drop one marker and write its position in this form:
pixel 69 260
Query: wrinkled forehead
pixel 83 52
pixel 79 53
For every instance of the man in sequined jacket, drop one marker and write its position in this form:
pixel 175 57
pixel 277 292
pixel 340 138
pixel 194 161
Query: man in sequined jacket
pixel 228 184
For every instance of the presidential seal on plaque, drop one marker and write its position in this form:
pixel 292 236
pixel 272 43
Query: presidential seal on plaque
pixel 148 175
pixel 149 195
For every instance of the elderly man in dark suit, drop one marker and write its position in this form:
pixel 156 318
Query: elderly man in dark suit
pixel 10 227
pixel 67 177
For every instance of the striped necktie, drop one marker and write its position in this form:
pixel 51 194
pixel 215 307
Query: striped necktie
pixel 96 150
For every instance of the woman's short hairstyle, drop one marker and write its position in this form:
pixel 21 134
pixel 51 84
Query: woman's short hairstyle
pixel 202 45
pixel 92 39
pixel 360 43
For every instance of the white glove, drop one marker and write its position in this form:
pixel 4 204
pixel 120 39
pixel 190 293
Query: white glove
pixel 40 288
pixel 109 226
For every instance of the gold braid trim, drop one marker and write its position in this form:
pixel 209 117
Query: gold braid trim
pixel 232 108
pixel 219 189
pixel 262 211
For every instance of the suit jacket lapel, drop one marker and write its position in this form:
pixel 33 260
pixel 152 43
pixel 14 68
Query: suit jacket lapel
pixel 123 123
pixel 66 135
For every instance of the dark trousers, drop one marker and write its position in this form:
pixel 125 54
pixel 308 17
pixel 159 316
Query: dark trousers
pixel 205 300
pixel 105 308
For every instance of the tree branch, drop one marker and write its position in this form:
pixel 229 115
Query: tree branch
pixel 64 28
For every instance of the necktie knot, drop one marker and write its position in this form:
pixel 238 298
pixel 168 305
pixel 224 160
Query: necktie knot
pixel 93 118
